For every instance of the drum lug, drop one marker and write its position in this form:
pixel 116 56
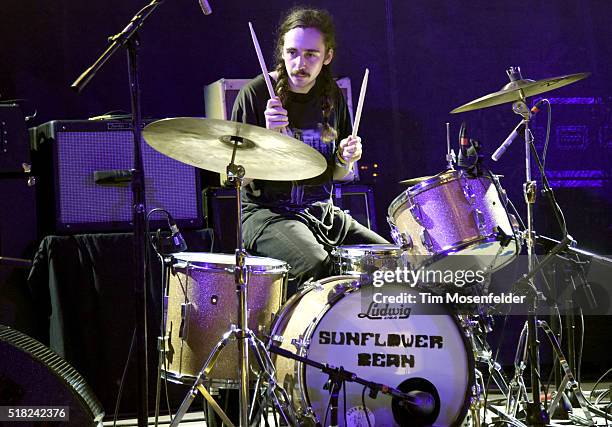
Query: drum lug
pixel 479 219
pixel 415 211
pixel 402 239
pixel 184 328
pixel 163 344
pixel 277 339
pixel 426 239
pixel 468 192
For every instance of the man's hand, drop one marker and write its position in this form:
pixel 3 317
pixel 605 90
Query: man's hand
pixel 350 149
pixel 276 115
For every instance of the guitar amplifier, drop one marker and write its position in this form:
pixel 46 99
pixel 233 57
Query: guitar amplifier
pixel 70 155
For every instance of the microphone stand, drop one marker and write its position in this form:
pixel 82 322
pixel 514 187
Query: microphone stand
pixel 338 376
pixel 129 37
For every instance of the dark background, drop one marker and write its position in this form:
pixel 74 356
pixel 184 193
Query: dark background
pixel 425 58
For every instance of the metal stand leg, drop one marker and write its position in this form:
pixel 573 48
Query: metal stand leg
pixel 266 368
pixel 569 384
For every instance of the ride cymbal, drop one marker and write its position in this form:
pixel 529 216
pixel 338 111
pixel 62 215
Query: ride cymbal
pixel 523 88
pixel 208 144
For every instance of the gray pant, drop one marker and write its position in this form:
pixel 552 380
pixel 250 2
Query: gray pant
pixel 292 241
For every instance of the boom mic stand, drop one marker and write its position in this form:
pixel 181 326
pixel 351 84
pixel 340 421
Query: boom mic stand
pixel 421 403
pixel 536 415
pixel 129 36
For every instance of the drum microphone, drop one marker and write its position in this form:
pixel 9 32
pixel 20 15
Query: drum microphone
pixel 177 238
pixel 520 128
pixel 469 157
pixel 420 402
pixel 173 243
pixel 463 141
pixel 205 7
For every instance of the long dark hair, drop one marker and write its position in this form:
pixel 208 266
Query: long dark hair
pixel 321 20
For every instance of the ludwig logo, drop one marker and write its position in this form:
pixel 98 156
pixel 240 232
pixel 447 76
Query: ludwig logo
pixel 378 311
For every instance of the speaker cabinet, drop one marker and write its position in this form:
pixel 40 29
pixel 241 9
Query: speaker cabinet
pixel 69 153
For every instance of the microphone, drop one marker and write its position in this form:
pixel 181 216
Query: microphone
pixel 515 132
pixel 205 7
pixel 419 401
pixel 463 141
pixel 173 243
pixel 177 238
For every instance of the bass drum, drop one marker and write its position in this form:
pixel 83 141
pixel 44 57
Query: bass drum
pixel 405 343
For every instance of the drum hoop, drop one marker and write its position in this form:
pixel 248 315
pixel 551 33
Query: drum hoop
pixel 281 268
pixel 434 181
pixel 341 251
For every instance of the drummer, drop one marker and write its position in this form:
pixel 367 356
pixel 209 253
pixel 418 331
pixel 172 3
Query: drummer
pixel 296 221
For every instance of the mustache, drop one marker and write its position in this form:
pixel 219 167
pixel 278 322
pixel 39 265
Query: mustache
pixel 300 72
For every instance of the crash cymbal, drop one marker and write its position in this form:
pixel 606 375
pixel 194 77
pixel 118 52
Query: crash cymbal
pixel 207 144
pixel 512 91
pixel 414 181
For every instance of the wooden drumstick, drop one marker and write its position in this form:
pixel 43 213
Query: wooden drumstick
pixel 262 62
pixel 364 86
pixel 264 69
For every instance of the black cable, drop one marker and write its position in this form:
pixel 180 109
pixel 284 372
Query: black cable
pixel 548 124
pixel 501 339
pixel 365 408
pixel 555 359
pixel 122 382
pixel 548 190
pixel 344 402
pixel 598 381
pixel 327 409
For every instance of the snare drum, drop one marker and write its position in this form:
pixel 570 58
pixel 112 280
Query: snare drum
pixel 365 259
pixel 407 345
pixel 202 304
pixel 454 214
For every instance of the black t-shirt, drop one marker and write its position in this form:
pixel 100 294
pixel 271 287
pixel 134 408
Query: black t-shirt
pixel 305 123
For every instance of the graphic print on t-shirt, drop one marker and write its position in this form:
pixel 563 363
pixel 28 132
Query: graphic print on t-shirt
pixel 312 137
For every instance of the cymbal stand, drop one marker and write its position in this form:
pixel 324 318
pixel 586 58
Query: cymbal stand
pixel 536 415
pixel 240 332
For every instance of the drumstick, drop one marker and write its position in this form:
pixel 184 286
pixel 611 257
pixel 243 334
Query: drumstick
pixel 364 86
pixel 264 69
pixel 262 62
